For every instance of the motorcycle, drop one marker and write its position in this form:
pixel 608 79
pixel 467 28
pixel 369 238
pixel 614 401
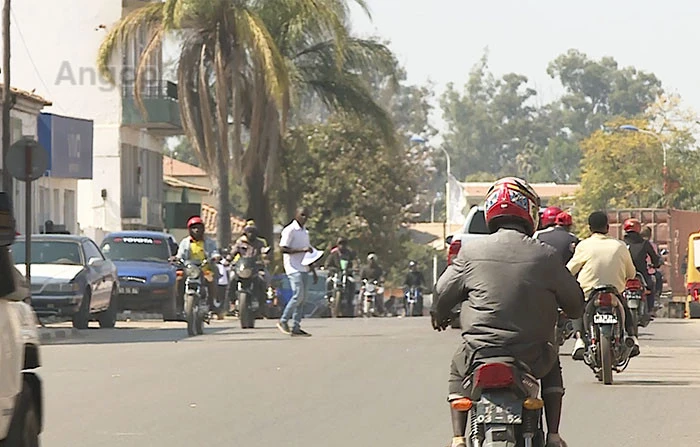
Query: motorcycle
pixel 196 306
pixel 371 291
pixel 413 299
pixel 608 348
pixel 504 405
pixel 563 330
pixel 340 298
pixel 636 295
pixel 246 272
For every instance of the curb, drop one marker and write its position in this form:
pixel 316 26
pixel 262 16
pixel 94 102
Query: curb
pixel 48 334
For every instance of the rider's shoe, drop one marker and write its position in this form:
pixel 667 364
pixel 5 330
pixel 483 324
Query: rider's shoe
pixel 635 348
pixel 555 441
pixel 459 441
pixel 579 349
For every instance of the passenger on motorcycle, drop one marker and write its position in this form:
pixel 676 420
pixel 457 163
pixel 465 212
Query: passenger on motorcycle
pixel 559 236
pixel 250 244
pixel 641 249
pixel 654 272
pixel 602 260
pixel 414 278
pixel 510 287
pixel 373 272
pixel 338 253
pixel 549 217
pixel 197 247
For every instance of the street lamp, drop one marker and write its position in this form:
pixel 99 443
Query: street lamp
pixel 420 140
pixel 631 128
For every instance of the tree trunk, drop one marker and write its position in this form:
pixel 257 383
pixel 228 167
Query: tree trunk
pixel 259 203
pixel 223 215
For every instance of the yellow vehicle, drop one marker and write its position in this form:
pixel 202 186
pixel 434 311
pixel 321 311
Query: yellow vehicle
pixel 692 276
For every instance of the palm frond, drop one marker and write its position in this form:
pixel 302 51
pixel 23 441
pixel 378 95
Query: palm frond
pixel 150 16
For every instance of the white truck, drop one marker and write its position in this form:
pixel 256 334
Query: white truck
pixel 21 395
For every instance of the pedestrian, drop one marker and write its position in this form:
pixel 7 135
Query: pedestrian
pixel 294 243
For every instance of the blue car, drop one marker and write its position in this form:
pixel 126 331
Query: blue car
pixel 316 305
pixel 147 278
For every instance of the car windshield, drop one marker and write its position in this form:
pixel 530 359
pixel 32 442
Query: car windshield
pixel 136 249
pixel 477 225
pixel 49 252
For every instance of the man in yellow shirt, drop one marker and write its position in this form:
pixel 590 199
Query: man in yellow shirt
pixel 198 247
pixel 601 260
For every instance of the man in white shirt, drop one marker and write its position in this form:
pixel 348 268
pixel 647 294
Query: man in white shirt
pixel 294 244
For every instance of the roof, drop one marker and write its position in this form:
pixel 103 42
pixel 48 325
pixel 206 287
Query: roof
pixel 31 96
pixel 177 168
pixel 56 237
pixel 177 183
pixel 545 190
pixel 137 233
pixel 425 233
pixel 209 217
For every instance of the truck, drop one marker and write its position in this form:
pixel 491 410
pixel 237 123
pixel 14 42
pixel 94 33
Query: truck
pixel 671 229
pixel 21 395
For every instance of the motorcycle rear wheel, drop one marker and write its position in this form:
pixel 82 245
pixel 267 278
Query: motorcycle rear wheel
pixel 606 359
pixel 190 315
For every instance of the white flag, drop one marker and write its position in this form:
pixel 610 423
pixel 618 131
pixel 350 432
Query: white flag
pixel 457 201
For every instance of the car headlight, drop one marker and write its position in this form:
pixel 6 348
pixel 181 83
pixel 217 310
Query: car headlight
pixel 160 279
pixel 61 288
pixel 192 271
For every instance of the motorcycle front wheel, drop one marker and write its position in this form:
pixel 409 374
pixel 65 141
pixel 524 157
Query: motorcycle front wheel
pixel 245 315
pixel 337 301
pixel 190 314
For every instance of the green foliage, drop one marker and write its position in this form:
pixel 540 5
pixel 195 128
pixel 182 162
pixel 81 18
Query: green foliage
pixel 496 126
pixel 353 184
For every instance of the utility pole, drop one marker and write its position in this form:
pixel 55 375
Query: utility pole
pixel 6 98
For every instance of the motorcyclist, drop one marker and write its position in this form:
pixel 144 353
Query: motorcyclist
pixel 602 260
pixel 641 249
pixel 559 236
pixel 414 278
pixel 250 244
pixel 549 217
pixel 373 272
pixel 654 272
pixel 198 247
pixel 510 288
pixel 341 251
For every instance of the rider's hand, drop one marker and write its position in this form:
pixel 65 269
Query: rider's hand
pixel 439 324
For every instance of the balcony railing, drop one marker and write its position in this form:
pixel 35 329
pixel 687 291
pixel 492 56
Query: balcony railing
pixel 160 100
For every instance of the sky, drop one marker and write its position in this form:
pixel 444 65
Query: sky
pixel 441 40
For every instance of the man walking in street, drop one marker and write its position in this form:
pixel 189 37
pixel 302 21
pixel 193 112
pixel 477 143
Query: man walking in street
pixel 294 244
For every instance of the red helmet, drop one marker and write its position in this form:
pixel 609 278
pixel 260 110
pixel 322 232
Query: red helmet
pixel 564 219
pixel 514 198
pixel 549 216
pixel 632 225
pixel 195 220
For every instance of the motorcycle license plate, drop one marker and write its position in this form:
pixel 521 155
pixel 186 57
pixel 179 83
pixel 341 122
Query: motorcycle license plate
pixel 604 319
pixel 488 412
pixel 633 304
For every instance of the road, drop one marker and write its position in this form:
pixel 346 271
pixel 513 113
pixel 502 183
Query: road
pixel 377 382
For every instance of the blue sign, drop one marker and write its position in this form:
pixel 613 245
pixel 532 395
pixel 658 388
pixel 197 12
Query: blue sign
pixel 69 144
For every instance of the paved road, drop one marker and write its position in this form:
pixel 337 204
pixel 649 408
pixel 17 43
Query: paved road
pixel 378 382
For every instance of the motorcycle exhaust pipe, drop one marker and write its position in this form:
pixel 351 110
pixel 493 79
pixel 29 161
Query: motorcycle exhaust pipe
pixel 629 343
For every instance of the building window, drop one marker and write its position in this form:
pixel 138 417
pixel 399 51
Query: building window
pixel 56 203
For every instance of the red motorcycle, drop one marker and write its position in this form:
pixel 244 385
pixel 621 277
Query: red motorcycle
pixel 636 293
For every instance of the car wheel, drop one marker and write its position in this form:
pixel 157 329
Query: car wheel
pixel 81 319
pixel 24 427
pixel 108 318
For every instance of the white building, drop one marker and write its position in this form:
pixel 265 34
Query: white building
pixel 126 191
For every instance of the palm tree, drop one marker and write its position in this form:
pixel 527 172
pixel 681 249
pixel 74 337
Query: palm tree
pixel 232 75
pixel 324 63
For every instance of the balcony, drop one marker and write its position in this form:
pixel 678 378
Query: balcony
pixel 162 107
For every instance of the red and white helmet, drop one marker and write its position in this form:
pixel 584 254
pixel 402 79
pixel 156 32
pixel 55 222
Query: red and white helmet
pixel 632 225
pixel 513 198
pixel 564 219
pixel 549 216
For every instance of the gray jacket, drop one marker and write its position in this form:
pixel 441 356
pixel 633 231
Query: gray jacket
pixel 510 286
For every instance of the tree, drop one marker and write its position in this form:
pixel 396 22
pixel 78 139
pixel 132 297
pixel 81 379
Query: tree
pixel 353 183
pixel 221 40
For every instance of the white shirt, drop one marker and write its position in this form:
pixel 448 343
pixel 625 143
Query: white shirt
pixel 223 274
pixel 294 237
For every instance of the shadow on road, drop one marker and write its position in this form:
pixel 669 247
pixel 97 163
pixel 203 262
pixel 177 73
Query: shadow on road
pixel 133 335
pixel 652 383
